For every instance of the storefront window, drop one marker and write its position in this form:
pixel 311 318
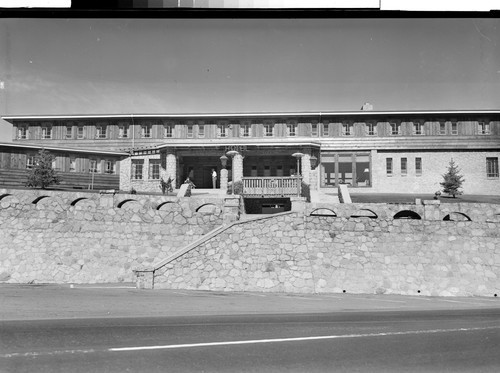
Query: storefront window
pixel 345 168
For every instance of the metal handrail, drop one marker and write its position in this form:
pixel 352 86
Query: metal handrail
pixel 272 186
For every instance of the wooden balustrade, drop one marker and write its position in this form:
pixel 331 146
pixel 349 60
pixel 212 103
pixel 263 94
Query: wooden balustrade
pixel 272 186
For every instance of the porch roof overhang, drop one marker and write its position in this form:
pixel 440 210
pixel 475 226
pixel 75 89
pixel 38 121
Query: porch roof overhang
pixel 247 142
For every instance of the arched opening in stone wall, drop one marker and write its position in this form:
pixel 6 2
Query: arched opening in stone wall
pixel 4 195
pixel 323 212
pixel 457 216
pixel 77 200
pixel 364 213
pixel 165 205
pixel 407 214
pixel 207 208
pixel 36 200
pixel 122 203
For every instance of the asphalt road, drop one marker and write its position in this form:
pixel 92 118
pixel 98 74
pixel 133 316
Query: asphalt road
pixel 381 341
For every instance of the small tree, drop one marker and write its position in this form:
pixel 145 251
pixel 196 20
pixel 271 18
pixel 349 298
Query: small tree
pixel 452 180
pixel 42 175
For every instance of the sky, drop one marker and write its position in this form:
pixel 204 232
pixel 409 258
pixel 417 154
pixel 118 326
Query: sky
pixel 122 66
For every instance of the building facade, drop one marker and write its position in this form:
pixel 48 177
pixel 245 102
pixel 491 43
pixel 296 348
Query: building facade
pixel 370 151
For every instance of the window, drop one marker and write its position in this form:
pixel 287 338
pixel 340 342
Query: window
pixel 388 166
pixel 291 129
pixel 325 128
pixel 47 132
pixel 72 164
pixel 92 165
pixel 442 128
pixel 483 128
pixel 123 131
pixel 30 160
pixel 22 132
pixel 314 129
pixel 371 129
pixel 80 134
pixel 110 167
pixel 417 128
pixel 347 129
pixel 146 131
pixel 100 132
pixel 418 166
pixel 168 131
pixel 69 132
pixel 454 128
pixel 137 166
pixel 222 130
pixel 245 130
pixel 492 167
pixel 404 166
pixel 395 129
pixel 201 130
pixel 190 131
pixel 154 169
pixel 345 168
pixel 268 130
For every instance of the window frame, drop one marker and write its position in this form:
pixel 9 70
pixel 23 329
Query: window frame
pixel 389 167
pixel 291 129
pixel 46 132
pixel 22 132
pixel 371 129
pixel 347 129
pixel 168 131
pixel 146 131
pixel 418 166
pixel 154 163
pixel 123 131
pixel 404 166
pixel 395 128
pixel 314 129
pixel 80 132
pixel 245 130
pixel 483 128
pixel 101 132
pixel 418 128
pixel 137 164
pixel 492 170
pixel 201 130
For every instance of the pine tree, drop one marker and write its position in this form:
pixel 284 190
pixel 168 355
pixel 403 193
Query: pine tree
pixel 452 180
pixel 42 174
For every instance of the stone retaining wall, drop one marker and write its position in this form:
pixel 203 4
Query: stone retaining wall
pixel 297 253
pixel 64 237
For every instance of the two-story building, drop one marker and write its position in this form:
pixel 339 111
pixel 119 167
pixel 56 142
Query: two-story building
pixel 370 151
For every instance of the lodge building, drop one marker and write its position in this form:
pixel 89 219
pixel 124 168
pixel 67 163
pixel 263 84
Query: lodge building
pixel 369 151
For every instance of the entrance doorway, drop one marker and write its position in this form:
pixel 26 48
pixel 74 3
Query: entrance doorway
pixel 199 171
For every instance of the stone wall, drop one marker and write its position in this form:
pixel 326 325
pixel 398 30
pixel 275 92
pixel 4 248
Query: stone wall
pixel 65 237
pixel 296 252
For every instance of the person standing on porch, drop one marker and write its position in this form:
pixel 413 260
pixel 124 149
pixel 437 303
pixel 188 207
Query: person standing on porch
pixel 214 178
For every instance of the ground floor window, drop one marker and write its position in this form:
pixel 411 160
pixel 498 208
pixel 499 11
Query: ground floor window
pixel 137 166
pixel 492 167
pixel 154 169
pixel 345 168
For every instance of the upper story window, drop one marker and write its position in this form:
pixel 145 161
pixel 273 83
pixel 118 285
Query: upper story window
pixel 123 131
pixel 30 160
pixel 22 132
pixel 492 167
pixel 100 131
pixel 347 129
pixel 268 129
pixel 483 128
pixel 154 169
pixel 442 128
pixel 245 130
pixel 146 131
pixel 69 132
pixel 46 132
pixel 324 129
pixel 454 128
pixel 201 130
pixel 222 130
pixel 168 130
pixel 189 131
pixel 417 128
pixel 371 129
pixel 314 129
pixel 80 132
pixel 395 128
pixel 291 129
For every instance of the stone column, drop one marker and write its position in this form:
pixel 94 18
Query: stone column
pixel 238 167
pixel 223 179
pixel 171 167
pixel 125 168
pixel 306 168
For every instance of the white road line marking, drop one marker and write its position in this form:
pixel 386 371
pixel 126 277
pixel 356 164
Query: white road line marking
pixel 299 339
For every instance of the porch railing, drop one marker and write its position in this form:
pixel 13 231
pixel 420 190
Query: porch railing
pixel 272 186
